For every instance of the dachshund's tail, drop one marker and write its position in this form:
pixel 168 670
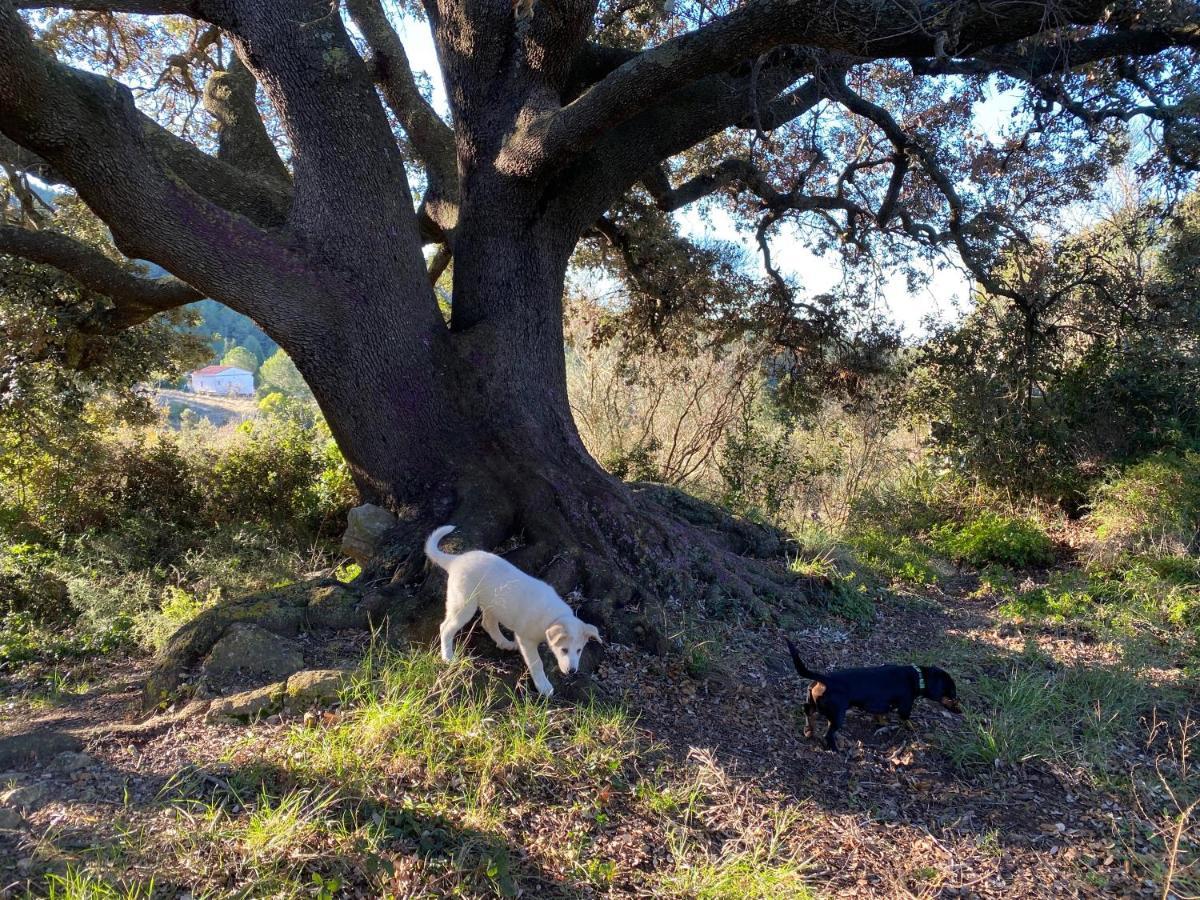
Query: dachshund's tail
pixel 805 671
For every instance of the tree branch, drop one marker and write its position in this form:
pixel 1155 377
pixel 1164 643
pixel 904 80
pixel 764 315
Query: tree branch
pixel 242 137
pixel 135 298
pixel 193 8
pixel 89 129
pixel 430 136
pixel 868 29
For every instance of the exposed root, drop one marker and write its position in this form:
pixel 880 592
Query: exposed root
pixel 631 559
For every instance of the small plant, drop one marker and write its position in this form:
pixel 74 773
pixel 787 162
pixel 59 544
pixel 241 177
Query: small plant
pixel 990 538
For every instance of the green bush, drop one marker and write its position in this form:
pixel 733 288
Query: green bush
pixel 29 583
pixel 992 538
pixel 1154 505
pixel 893 557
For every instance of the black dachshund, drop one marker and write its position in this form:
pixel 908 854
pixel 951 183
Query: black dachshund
pixel 876 690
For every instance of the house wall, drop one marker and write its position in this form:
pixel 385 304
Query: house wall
pixel 241 384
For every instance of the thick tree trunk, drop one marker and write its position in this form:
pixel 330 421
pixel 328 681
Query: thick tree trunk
pixel 472 426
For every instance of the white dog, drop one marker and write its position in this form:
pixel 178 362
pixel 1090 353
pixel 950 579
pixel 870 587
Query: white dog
pixel 507 596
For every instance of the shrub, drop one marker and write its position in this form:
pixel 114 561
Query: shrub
pixel 28 582
pixel 1154 505
pixel 893 557
pixel 993 538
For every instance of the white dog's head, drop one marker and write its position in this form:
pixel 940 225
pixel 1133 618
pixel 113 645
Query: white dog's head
pixel 567 638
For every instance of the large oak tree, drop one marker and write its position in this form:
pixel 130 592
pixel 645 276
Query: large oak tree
pixel 291 200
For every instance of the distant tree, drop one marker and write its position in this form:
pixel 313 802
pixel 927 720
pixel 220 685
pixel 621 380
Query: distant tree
pixel 1086 354
pixel 242 358
pixel 254 346
pixel 280 374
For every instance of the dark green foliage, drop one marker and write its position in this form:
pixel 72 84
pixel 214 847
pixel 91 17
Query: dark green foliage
pixel 1097 363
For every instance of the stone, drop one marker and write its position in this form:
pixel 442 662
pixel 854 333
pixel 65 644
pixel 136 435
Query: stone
pixel 365 525
pixel 38 746
pixel 24 796
pixel 10 819
pixel 72 762
pixel 316 687
pixel 248 705
pixel 248 649
pixel 335 607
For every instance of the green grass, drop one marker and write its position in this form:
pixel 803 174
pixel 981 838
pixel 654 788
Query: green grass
pixel 77 884
pixel 414 712
pixel 738 876
pixel 1071 717
pixel 1153 505
pixel 893 557
pixel 1148 603
pixel 766 869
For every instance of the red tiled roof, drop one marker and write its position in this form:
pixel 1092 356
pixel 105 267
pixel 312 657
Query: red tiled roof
pixel 212 370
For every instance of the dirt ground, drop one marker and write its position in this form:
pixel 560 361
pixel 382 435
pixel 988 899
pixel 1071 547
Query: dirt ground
pixel 889 816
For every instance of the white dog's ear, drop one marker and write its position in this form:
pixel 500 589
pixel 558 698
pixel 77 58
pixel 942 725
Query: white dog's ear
pixel 592 633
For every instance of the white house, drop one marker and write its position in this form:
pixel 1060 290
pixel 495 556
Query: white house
pixel 222 380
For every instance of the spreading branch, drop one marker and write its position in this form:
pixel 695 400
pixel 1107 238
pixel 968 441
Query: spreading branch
pixel 193 8
pixel 430 137
pixel 143 191
pixel 914 28
pixel 134 298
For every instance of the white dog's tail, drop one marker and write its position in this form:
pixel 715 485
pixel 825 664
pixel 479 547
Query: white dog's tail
pixel 436 556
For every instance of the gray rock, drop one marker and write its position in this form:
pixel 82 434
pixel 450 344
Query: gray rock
pixel 10 819
pixel 24 796
pixel 72 762
pixel 40 746
pixel 248 704
pixel 249 649
pixel 365 525
pixel 316 687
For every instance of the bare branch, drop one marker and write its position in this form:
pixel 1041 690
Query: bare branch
pixel 437 265
pixel 906 145
pixel 134 298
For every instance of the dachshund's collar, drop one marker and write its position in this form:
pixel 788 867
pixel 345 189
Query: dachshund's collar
pixel 920 678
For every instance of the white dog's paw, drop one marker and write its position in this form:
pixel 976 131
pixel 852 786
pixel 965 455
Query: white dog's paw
pixel 546 690
pixel 448 656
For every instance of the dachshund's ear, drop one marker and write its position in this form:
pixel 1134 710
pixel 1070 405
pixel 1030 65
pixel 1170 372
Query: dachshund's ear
pixel 592 633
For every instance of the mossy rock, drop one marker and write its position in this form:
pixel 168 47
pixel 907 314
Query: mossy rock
pixel 316 687
pixel 336 607
pixel 248 705
pixel 282 612
pixel 246 648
